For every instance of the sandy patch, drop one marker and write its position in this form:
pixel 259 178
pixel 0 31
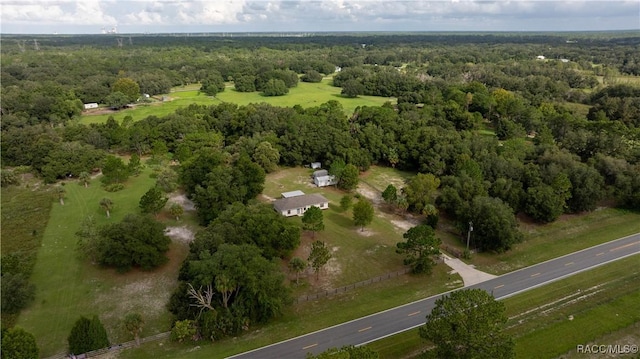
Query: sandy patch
pixel 369 193
pixel 365 232
pixel 181 234
pixel 182 200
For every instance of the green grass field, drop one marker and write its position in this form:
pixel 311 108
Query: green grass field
pixel 604 304
pixel 25 213
pixel 305 95
pixel 68 286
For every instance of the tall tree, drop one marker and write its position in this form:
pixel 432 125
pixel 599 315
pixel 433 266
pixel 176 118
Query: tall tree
pixel 133 323
pixel 176 211
pixel 312 220
pixel 17 292
pixel 390 194
pixel 419 248
pixel 114 170
pixel 297 265
pixel 319 256
pixel 153 201
pixel 17 343
pixel 419 191
pixel 87 335
pixel 494 224
pixel 362 213
pixel 107 205
pixel 128 87
pixel 266 156
pixel 137 240
pixel 349 178
pixel 468 324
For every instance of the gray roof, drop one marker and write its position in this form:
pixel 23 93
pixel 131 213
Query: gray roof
pixel 292 194
pixel 284 204
pixel 320 173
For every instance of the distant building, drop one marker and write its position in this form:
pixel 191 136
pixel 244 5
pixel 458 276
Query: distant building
pixel 90 105
pixel 320 173
pixel 297 205
pixel 540 57
pixel 316 165
pixel 564 60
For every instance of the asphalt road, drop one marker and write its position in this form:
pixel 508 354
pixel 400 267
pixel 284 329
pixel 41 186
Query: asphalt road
pixel 383 324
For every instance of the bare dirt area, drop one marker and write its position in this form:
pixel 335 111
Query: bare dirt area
pixel 181 234
pixel 181 199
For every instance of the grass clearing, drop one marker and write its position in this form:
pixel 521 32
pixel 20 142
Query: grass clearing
pixel 357 255
pixel 68 286
pixel 305 94
pixel 604 304
pixel 25 213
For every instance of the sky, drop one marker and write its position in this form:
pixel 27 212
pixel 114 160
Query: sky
pixel 194 16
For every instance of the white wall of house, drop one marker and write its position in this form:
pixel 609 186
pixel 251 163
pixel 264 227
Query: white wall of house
pixel 300 211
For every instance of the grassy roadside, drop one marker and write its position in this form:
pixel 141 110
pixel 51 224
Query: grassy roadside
pixel 68 286
pixel 311 316
pixel 601 304
pixel 569 234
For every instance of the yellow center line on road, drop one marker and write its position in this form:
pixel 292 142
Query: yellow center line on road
pixel 309 346
pixel 599 254
pixel 535 274
pixel 625 246
pixel 364 329
pixel 499 286
pixel 414 313
pixel 568 264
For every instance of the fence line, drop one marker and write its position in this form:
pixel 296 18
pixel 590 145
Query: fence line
pixel 112 348
pixel 331 292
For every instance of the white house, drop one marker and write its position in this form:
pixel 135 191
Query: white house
pixel 90 105
pixel 316 165
pixel 297 205
pixel 540 57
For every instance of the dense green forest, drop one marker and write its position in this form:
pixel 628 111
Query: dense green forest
pixel 535 125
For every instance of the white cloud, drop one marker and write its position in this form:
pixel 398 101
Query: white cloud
pixel 55 12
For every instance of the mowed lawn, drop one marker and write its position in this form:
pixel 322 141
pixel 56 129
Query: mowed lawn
pixel 68 286
pixel 305 94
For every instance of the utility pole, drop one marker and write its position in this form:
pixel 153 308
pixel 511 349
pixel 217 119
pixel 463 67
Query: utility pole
pixel 469 234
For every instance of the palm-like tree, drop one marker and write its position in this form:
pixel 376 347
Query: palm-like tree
pixel 106 204
pixel 84 178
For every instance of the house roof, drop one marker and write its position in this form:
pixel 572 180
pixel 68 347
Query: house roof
pixel 292 194
pixel 284 204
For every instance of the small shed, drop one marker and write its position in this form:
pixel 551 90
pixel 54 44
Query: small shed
pixel 323 181
pixel 316 165
pixel 292 194
pixel 90 105
pixel 297 205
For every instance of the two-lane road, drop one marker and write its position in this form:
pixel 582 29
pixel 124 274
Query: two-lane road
pixel 408 316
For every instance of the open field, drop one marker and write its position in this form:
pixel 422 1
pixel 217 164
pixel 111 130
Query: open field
pixel 305 94
pixel 25 213
pixel 603 303
pixel 69 286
